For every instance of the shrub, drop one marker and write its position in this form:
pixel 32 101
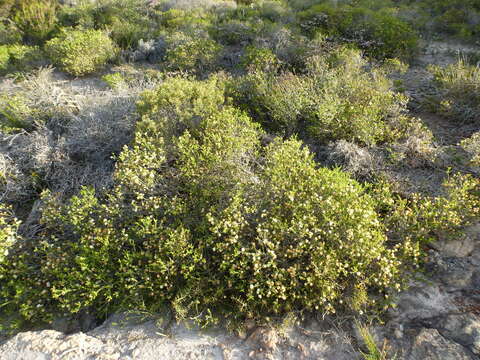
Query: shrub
pixel 425 219
pixel 36 18
pixel 206 221
pixel 191 53
pixel 114 80
pixel 196 19
pixel 81 52
pixel 336 99
pixel 259 59
pixel 9 33
pixel 472 146
pixel 234 32
pixel 17 113
pixel 379 33
pixel 19 58
pixel 458 88
pixel 8 231
pixel 169 108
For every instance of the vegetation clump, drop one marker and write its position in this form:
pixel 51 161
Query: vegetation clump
pixel 336 99
pixel 458 90
pixel 14 58
pixel 80 52
pixel 205 219
pixel 228 161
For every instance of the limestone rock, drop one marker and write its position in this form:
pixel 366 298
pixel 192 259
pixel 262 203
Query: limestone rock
pixel 430 345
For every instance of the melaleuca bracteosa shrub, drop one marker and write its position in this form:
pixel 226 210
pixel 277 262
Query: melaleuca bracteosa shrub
pixel 424 219
pixel 336 99
pixel 206 220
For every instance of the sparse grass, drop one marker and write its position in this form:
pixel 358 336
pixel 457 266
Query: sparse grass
pixel 374 352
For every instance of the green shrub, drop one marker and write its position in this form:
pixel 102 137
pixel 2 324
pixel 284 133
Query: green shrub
pixel 6 7
pixel 81 52
pixel 36 18
pixel 379 33
pixel 114 80
pixel 8 231
pixel 203 219
pixel 234 32
pixel 336 99
pixel 453 17
pixel 169 108
pixel 16 114
pixel 425 219
pixel 472 146
pixel 458 88
pixel 191 53
pixel 15 58
pixel 259 59
pixel 9 33
pixel 127 21
pixel 188 21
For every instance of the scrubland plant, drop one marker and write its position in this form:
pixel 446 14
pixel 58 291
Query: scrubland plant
pixel 380 33
pixel 9 33
pixel 36 18
pixel 336 99
pixel 424 219
pixel 16 114
pixel 260 59
pixel 8 231
pixel 458 88
pixel 205 219
pixel 196 52
pixel 472 146
pixel 14 58
pixel 80 52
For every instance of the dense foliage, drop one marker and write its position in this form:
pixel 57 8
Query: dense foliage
pixel 80 52
pixel 227 160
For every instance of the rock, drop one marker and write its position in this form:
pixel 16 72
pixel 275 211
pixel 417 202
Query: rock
pixel 53 345
pixel 430 345
pixel 462 328
pixel 421 301
pixel 130 337
pixel 460 247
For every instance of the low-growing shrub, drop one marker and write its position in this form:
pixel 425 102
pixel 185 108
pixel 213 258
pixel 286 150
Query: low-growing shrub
pixel 425 219
pixel 168 109
pixel 472 146
pixel 114 80
pixel 207 221
pixel 259 59
pixel 16 114
pixel 458 88
pixel 336 99
pixel 378 32
pixel 234 32
pixel 191 53
pixel 8 231
pixel 9 33
pixel 81 52
pixel 15 58
pixel 36 18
